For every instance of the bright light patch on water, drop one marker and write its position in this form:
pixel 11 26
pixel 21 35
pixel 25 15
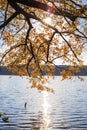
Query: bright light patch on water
pixel 47 125
pixel 45 103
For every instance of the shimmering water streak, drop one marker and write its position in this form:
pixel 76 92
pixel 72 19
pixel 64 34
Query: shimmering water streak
pixel 46 119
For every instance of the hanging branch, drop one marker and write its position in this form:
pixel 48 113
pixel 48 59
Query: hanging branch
pixel 48 48
pixel 9 50
pixel 69 47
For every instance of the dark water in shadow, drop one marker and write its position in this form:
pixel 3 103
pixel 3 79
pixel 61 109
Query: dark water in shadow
pixel 64 110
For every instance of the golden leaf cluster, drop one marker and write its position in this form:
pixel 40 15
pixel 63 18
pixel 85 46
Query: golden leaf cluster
pixel 33 46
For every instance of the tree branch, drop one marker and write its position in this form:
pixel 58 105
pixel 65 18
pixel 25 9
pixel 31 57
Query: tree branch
pixel 44 7
pixel 8 20
pixel 69 46
pixel 12 48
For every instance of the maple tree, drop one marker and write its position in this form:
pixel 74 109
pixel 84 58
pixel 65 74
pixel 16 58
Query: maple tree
pixel 35 33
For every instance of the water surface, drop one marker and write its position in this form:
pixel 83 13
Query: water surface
pixel 64 110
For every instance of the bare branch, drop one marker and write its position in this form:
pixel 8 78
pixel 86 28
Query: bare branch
pixel 48 48
pixel 69 46
pixel 8 20
pixel 5 18
pixel 42 6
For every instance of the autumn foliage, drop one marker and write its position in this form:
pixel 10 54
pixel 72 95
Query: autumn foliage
pixel 37 33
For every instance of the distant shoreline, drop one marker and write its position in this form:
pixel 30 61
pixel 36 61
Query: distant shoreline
pixel 58 69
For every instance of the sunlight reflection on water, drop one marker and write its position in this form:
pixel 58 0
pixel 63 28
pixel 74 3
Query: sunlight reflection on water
pixel 47 124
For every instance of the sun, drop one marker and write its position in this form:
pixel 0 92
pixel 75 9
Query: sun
pixel 48 20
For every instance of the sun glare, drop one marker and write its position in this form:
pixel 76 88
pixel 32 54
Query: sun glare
pixel 48 20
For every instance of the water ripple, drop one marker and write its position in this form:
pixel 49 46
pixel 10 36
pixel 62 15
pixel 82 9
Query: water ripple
pixel 64 110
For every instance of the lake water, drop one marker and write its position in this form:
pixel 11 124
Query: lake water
pixel 64 110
